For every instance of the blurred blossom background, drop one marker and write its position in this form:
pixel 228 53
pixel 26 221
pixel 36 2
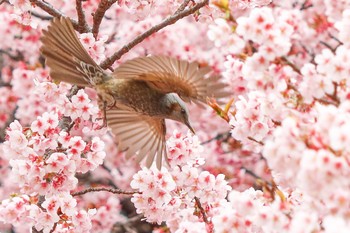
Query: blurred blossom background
pixel 273 157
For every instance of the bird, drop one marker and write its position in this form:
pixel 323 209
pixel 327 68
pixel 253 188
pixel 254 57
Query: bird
pixel 137 96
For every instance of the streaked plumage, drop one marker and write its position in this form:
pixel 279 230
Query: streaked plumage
pixel 137 96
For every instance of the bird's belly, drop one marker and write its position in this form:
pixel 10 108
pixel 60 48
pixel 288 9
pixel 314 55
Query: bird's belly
pixel 136 95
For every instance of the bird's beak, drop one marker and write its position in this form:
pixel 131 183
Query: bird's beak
pixel 187 123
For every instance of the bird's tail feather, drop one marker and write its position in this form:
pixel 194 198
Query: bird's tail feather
pixel 65 55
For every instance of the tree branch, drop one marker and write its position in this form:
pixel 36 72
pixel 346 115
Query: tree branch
pixel 111 190
pixel 219 136
pixel 201 209
pixel 328 46
pixel 17 57
pixel 43 17
pixel 4 1
pixel 254 140
pixel 8 122
pixel 306 5
pixel 103 6
pixel 255 176
pixel 168 21
pixel 182 6
pixel 82 25
pixel 289 63
pixel 47 7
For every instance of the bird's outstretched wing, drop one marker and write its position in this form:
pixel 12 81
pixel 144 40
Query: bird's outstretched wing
pixel 65 55
pixel 138 134
pixel 168 75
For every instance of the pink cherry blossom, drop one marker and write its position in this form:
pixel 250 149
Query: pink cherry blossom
pixel 271 157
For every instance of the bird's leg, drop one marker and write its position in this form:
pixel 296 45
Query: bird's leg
pixel 103 107
pixel 104 110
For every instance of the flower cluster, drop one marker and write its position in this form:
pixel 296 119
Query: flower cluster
pixel 46 157
pixel 37 158
pixel 221 34
pixel 254 118
pixel 169 195
pixel 7 104
pixel 184 150
pixel 283 130
pixel 314 159
pixel 24 213
pixel 94 47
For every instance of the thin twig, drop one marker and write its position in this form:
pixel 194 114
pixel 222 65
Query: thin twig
pixel 66 123
pixel 10 119
pixel 4 1
pixel 34 230
pixel 111 190
pixel 217 137
pixel 201 209
pixel 54 227
pixel 168 21
pixel 43 17
pixel 82 25
pixel 18 57
pixel 47 7
pixel 2 84
pixel 103 6
pixel 254 140
pixel 328 46
pixel 335 38
pixel 334 96
pixel 327 102
pixel 335 90
pixel 251 173
pixel 306 5
pixel 289 63
pixel 311 54
pixel 182 6
pixel 130 225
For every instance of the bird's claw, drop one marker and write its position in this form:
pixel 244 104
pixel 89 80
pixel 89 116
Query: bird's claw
pixel 104 122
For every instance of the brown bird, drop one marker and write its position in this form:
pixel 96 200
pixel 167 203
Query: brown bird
pixel 138 96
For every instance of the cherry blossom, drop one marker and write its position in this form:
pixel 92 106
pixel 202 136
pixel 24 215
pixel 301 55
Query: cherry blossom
pixel 272 157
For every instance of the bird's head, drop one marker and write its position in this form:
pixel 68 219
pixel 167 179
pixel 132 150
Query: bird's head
pixel 176 110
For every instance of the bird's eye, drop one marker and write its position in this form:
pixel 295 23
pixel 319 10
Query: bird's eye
pixel 183 111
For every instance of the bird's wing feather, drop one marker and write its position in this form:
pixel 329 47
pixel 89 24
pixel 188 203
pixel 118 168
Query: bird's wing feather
pixel 139 134
pixel 168 75
pixel 64 53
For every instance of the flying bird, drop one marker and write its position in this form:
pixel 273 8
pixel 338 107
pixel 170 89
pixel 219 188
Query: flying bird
pixel 138 96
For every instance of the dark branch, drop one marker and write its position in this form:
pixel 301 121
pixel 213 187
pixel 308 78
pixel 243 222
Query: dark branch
pixel 82 25
pixel 2 84
pixel 8 122
pixel 182 6
pixel 306 5
pixel 43 17
pixel 217 137
pixel 103 6
pixel 201 209
pixel 17 57
pixel 66 123
pixel 111 190
pixel 289 63
pixel 255 176
pixel 254 140
pixel 335 38
pixel 168 21
pixel 4 1
pixel 328 46
pixel 326 101
pixel 47 7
